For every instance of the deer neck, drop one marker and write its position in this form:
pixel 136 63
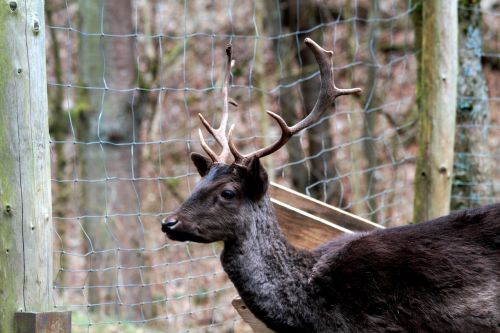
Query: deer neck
pixel 263 266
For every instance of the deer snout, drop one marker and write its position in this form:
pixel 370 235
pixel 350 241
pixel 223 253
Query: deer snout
pixel 169 223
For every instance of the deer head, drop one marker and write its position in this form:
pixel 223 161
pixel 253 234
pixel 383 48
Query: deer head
pixel 229 191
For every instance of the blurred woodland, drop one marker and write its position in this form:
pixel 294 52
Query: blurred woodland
pixel 127 79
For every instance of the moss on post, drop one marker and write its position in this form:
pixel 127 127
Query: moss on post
pixel 472 186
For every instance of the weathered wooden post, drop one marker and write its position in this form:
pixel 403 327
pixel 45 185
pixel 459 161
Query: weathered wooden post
pixel 25 198
pixel 437 108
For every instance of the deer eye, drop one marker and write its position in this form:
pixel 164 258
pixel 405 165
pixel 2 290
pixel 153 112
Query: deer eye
pixel 228 194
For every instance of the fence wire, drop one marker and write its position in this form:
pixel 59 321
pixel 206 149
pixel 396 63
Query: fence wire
pixel 126 81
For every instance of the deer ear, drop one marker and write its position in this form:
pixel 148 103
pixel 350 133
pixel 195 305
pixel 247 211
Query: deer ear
pixel 202 163
pixel 257 180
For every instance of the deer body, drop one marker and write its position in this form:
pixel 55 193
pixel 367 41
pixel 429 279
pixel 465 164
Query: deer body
pixel 441 276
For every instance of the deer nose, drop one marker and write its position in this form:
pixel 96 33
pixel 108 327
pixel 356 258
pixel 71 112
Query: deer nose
pixel 169 222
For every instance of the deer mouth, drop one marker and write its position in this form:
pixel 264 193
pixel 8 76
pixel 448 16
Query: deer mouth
pixel 183 236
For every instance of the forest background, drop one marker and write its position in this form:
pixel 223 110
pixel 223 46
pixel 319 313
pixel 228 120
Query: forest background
pixel 127 79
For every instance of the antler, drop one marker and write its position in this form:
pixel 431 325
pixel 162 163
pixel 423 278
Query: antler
pixel 327 95
pixel 220 133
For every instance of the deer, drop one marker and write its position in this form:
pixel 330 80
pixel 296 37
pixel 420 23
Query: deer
pixel 441 275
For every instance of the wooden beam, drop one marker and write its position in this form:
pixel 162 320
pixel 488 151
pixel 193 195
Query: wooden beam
pixel 252 321
pixel 303 229
pixel 320 209
pixel 43 322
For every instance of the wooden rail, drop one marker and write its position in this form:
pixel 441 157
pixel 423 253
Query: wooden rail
pixel 306 223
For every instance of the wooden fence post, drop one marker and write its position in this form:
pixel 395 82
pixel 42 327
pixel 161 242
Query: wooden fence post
pixel 25 189
pixel 437 108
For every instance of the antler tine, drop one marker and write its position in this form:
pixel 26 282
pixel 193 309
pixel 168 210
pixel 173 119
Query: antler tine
pixel 219 134
pixel 205 147
pixel 327 95
pixel 328 91
pixel 286 134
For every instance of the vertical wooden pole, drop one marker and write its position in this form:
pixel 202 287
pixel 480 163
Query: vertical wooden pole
pixel 439 69
pixel 25 191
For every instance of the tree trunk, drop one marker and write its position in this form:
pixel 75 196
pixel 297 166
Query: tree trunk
pixel 370 102
pixel 322 167
pixel 25 197
pixel 110 160
pixel 472 184
pixel 298 172
pixel 260 79
pixel 437 113
pixel 358 193
pixel 58 130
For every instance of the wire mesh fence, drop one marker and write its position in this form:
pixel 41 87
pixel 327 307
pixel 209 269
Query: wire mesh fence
pixel 126 81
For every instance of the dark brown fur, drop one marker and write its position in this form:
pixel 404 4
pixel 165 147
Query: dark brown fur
pixel 438 276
